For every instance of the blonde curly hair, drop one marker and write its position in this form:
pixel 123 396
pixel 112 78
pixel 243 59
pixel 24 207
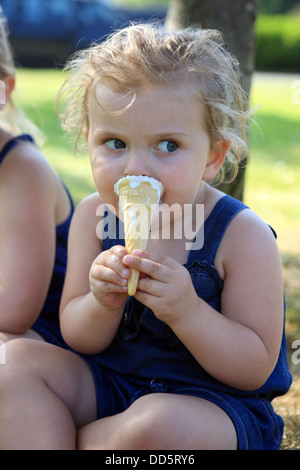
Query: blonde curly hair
pixel 141 54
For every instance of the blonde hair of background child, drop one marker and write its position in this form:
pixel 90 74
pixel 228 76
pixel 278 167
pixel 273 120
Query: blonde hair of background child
pixel 11 117
pixel 142 54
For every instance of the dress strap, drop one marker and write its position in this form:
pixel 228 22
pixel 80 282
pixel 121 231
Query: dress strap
pixel 12 143
pixel 215 226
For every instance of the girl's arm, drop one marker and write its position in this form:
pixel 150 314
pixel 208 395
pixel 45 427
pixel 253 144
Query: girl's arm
pixel 240 346
pixel 27 237
pixel 91 309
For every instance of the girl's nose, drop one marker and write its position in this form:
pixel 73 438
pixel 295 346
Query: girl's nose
pixel 137 164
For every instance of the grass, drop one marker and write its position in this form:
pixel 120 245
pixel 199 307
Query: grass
pixel 274 167
pixel 272 185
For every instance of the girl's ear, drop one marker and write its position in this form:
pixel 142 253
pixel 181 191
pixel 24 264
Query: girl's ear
pixel 86 128
pixel 216 159
pixel 10 82
pixel 7 86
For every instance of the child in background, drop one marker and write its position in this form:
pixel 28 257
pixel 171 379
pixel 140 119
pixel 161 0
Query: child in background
pixel 194 359
pixel 35 215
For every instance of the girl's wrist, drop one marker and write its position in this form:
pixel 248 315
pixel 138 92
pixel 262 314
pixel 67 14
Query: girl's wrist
pixel 185 320
pixel 101 309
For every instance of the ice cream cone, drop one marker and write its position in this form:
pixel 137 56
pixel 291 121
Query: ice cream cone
pixel 138 198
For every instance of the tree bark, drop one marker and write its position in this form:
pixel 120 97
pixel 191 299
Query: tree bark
pixel 235 19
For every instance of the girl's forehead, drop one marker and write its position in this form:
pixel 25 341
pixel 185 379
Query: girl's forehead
pixel 170 108
pixel 114 99
pixel 111 99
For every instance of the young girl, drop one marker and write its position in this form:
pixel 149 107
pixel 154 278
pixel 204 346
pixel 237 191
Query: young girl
pixel 194 359
pixel 35 214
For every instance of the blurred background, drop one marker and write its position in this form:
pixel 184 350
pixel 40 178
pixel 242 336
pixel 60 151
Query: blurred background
pixel 44 33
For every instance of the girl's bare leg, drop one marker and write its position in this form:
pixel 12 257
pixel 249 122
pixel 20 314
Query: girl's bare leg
pixel 162 422
pixel 29 334
pixel 45 393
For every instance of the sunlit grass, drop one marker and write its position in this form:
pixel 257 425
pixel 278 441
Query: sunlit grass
pixel 273 174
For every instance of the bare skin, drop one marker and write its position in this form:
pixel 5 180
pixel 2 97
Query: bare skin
pixel 32 203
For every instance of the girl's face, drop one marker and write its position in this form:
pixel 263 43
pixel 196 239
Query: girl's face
pixel 161 135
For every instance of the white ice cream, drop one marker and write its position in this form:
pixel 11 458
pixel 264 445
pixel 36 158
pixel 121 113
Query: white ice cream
pixel 135 181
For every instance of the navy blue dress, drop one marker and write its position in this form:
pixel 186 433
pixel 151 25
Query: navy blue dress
pixel 147 357
pixel 47 324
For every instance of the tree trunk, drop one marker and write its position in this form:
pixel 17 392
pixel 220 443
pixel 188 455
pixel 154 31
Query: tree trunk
pixel 235 19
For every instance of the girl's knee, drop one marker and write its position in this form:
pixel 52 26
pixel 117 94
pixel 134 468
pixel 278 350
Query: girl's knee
pixel 152 423
pixel 20 358
pixel 14 355
pixel 19 351
pixel 167 421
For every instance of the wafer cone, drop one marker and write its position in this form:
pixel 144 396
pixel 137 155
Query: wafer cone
pixel 138 198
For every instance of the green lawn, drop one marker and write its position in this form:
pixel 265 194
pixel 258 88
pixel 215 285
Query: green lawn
pixel 273 175
pixel 272 181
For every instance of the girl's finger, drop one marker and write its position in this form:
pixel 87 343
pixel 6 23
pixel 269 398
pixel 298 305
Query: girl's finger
pixel 169 262
pixel 102 273
pixel 155 269
pixel 113 260
pixel 152 287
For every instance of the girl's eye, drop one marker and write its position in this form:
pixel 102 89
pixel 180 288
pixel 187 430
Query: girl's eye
pixel 168 146
pixel 115 144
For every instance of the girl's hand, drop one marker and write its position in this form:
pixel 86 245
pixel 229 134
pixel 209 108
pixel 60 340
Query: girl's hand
pixel 108 278
pixel 165 286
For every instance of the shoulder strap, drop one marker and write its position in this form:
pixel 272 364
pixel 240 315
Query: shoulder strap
pixel 12 143
pixel 215 226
